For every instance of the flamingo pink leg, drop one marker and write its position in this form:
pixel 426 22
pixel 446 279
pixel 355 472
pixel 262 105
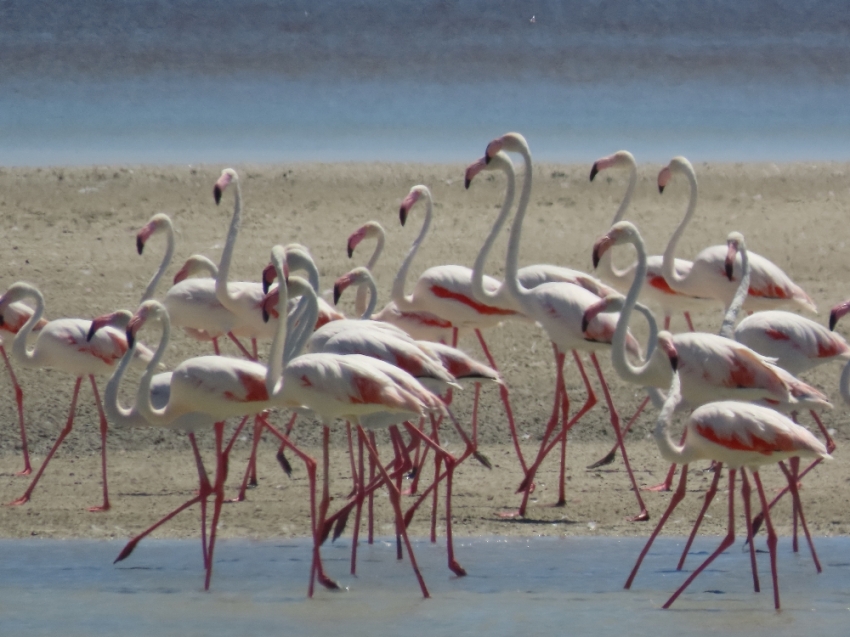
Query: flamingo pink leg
pixel 68 426
pixel 612 454
pixel 709 496
pixel 792 480
pixel 503 392
pixel 690 323
pixel 395 496
pixel 19 401
pixel 678 495
pixel 771 539
pixel 103 431
pixel 668 479
pixel 615 423
pixel 745 495
pixel 725 544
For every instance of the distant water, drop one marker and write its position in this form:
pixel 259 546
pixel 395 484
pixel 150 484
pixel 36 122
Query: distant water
pixel 186 81
pixel 514 587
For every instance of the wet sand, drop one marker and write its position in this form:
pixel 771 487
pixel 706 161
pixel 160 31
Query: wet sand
pixel 71 232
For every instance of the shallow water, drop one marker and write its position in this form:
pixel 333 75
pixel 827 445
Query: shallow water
pixel 514 586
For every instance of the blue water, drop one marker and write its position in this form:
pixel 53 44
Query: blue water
pixel 188 81
pixel 514 586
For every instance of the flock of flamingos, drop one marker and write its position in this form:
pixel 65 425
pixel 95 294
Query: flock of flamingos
pixel 396 370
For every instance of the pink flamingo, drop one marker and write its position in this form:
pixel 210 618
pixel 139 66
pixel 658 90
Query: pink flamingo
pixel 770 288
pixel 711 367
pixel 62 344
pixel 423 326
pixel 742 436
pixel 12 320
pixel 557 307
pixel 656 291
pixel 446 291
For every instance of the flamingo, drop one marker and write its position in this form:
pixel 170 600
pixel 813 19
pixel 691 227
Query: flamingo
pixel 770 288
pixel 656 291
pixel 62 344
pixel 446 291
pixel 423 326
pixel 556 306
pixel 742 436
pixel 712 367
pixel 12 320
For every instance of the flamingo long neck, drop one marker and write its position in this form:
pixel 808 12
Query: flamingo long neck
pixel 727 328
pixel 606 267
pixel 403 302
pixel 274 372
pixel 166 260
pixel 144 406
pixel 19 346
pixel 362 291
pixel 117 414
pixel 204 265
pixel 844 384
pixel 670 450
pixel 368 287
pixel 221 288
pixel 668 267
pixel 514 286
pixel 478 290
pixel 626 370
pixel 295 341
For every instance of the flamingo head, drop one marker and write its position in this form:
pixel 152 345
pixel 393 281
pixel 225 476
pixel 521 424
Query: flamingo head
pixel 412 197
pixel 666 345
pixel 157 223
pixel 119 319
pixel 270 274
pixel 227 176
pixel 369 230
pixel 614 302
pixel 621 232
pixel 472 170
pixel 138 319
pixel 676 165
pixel 509 142
pixel 734 242
pixel 622 158
pixel 356 277
pixel 195 265
pixel 837 312
pixel 269 305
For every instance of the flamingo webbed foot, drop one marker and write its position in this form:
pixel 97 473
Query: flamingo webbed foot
pixel 664 486
pixel 16 503
pixel 456 568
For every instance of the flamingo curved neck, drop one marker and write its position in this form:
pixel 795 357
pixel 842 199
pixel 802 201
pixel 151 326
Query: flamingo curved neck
pixel 117 414
pixel 512 281
pixel 221 288
pixel 204 265
pixel 274 371
pixel 298 258
pixel 606 267
pixel 19 345
pixel 361 296
pixel 727 328
pixel 478 290
pixel 367 285
pixel 403 302
pixel 166 260
pixel 844 383
pixel 670 450
pixel 668 266
pixel 621 363
pixel 306 318
pixel 144 406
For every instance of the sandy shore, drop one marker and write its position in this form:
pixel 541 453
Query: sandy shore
pixel 71 232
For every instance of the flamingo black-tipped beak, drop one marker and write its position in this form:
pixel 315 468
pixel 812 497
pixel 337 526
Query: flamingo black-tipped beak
pixel 350 250
pixel 833 319
pixel 265 315
pixel 402 215
pixel 585 322
pixel 90 334
pixel 729 267
pixel 674 362
pixel 594 171
pixel 131 338
pixel 217 194
pixel 140 245
pixel 599 248
pixel 2 320
pixel 729 264
pixel 337 292
pixel 269 275
pixel 660 189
